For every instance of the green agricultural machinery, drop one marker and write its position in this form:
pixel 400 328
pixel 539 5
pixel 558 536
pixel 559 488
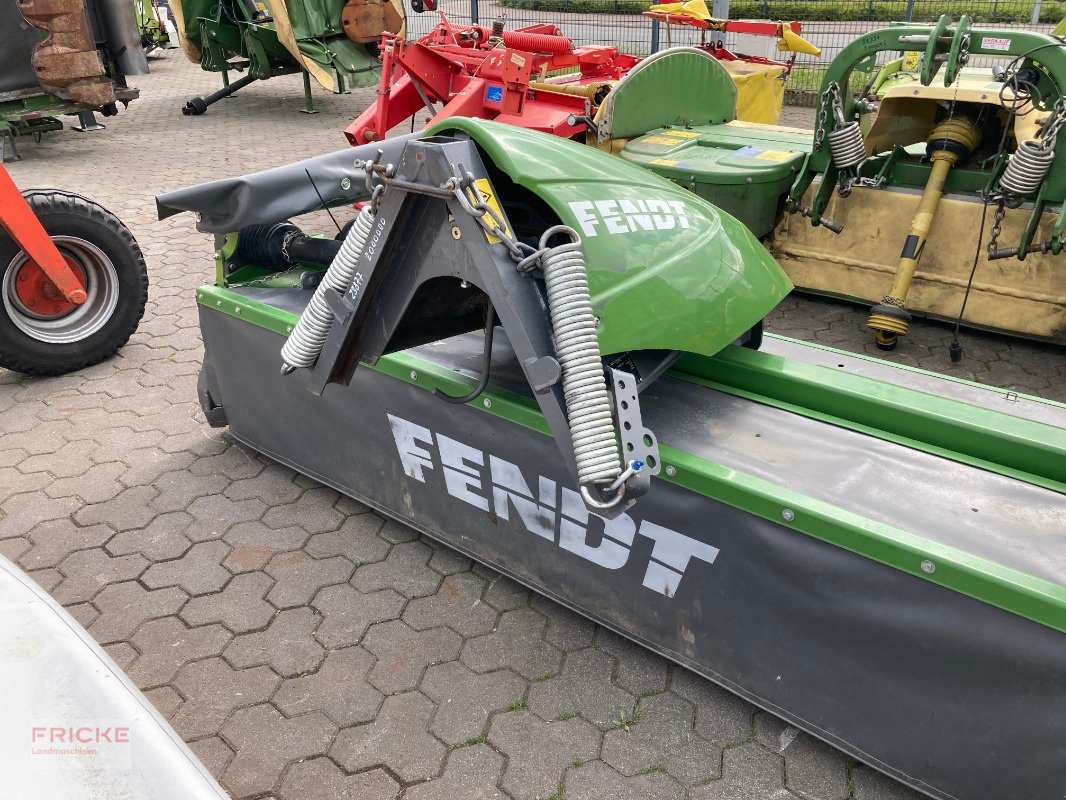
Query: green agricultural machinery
pixel 928 186
pixel 545 357
pixel 335 42
pixel 67 57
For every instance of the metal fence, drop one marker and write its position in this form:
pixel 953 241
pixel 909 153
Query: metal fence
pixel 830 24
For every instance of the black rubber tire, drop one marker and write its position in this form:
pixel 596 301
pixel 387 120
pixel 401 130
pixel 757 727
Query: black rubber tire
pixel 67 214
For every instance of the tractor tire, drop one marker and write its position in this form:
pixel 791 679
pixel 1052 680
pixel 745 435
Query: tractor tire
pixel 56 336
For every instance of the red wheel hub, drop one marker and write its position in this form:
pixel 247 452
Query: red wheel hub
pixel 37 293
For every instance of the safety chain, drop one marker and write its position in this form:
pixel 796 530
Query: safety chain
pixel 889 300
pixel 830 98
pixel 997 224
pixel 1049 133
pixel 524 256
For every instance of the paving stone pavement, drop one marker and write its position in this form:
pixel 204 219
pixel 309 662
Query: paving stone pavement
pixel 304 647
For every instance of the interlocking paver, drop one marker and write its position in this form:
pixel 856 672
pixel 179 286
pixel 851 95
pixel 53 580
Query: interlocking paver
pixel 348 613
pixel 516 643
pixel 398 737
pixel 197 572
pixel 287 646
pixel 749 772
pixel 214 753
pixel 721 717
pixel 255 543
pixel 539 752
pixel 128 509
pixel 566 630
pixel 357 540
pixel 298 577
pixel 405 569
pixel 125 606
pixel 264 742
pixel 471 773
pixel 466 699
pixel 596 780
pixel 637 669
pixel 313 511
pixel 338 687
pixel 320 779
pixel 872 785
pixel 240 606
pixel 273 486
pixel 88 571
pixel 813 769
pixel 162 538
pixel 456 604
pixel 213 690
pixel 215 514
pixel 663 738
pixel 583 687
pixel 166 644
pixel 55 540
pixel 404 654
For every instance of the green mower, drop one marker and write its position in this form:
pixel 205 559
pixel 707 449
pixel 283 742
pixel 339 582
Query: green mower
pixel 534 352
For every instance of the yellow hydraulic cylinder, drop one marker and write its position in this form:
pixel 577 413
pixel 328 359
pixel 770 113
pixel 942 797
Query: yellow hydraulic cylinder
pixel 950 142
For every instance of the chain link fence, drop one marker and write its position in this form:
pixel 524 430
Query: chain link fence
pixel 830 24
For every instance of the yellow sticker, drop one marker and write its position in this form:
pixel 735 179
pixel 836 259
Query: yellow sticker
pixel 910 60
pixel 679 134
pixel 774 155
pixel 485 188
pixel 663 162
pixel 659 140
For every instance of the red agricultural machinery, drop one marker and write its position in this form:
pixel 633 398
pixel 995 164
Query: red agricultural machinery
pixel 535 77
pixel 73 283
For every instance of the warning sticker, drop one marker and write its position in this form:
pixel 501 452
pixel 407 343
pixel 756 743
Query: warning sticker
pixel 775 155
pixel 663 162
pixel 517 60
pixel 494 94
pixel 679 134
pixel 659 140
pixel 911 59
pixel 995 43
pixel 485 188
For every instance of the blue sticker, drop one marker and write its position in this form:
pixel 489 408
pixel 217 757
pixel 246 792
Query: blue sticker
pixel 749 152
pixel 494 94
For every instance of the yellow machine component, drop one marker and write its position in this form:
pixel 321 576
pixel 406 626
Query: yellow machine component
pixel 760 90
pixel 593 91
pixel 951 141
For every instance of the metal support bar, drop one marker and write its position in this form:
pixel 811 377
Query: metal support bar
pixel 198 105
pixel 309 102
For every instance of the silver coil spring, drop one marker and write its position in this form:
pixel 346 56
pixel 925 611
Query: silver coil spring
pixel 846 146
pixel 1027 168
pixel 588 407
pixel 304 344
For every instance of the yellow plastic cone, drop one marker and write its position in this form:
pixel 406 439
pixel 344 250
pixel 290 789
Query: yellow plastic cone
pixel 791 41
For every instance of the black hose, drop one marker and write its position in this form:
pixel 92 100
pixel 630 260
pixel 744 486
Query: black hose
pixel 486 363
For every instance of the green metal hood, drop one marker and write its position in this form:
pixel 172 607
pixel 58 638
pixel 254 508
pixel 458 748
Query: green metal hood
pixel 667 270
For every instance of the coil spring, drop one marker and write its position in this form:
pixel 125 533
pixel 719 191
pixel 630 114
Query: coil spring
pixel 1027 168
pixel 846 146
pixel 304 344
pixel 588 408
pixel 537 42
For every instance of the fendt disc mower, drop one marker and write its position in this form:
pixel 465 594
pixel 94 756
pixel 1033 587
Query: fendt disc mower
pixel 523 348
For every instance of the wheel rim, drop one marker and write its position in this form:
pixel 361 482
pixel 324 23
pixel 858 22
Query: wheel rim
pixel 41 312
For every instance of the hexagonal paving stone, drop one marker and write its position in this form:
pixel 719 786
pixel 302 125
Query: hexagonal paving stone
pixel 404 653
pixel 404 570
pixel 721 716
pixel 516 643
pixel 471 773
pixel 465 699
pixel 161 539
pixel 397 738
pixel 264 743
pixel 663 738
pixel 869 784
pixel 125 606
pixel 255 543
pixel 583 687
pixel 357 540
pixel 638 669
pixel 166 644
pixel 457 604
pixel 287 646
pixel 313 511
pixel 213 690
pixel 320 779
pixel 539 752
pixel 89 571
pixel 240 606
pixel 55 540
pixel 338 687
pixel 298 577
pixel 197 572
pixel 749 772
pixel 596 780
pixel 813 769
pixel 349 613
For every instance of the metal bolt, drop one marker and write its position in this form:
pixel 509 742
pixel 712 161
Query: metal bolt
pixel 218 303
pixel 218 254
pixel 928 566
pixel 671 471
pixel 788 514
pixel 237 310
pixel 488 403
pixel 456 233
pixel 414 375
pixel 346 184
